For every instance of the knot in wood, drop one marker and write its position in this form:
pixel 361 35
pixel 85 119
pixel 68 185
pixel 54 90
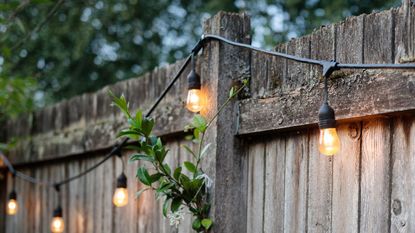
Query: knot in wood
pixel 397 207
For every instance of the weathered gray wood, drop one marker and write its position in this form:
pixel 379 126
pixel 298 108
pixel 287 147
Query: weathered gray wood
pixel 256 187
pixel 403 183
pixel 296 180
pixel 378 38
pixel 349 37
pixel 298 74
pixel 346 174
pixel 375 177
pixel 357 95
pixel 274 185
pixel 225 65
pixel 404 47
pixel 320 187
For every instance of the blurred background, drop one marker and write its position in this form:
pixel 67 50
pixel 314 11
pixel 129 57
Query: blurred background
pixel 54 49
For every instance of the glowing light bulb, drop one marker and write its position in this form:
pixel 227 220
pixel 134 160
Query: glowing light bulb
pixel 12 207
pixel 57 225
pixel 329 142
pixel 120 197
pixel 194 102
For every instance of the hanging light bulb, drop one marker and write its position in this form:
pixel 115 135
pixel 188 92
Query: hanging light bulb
pixel 57 225
pixel 195 100
pixel 12 203
pixel 120 197
pixel 329 142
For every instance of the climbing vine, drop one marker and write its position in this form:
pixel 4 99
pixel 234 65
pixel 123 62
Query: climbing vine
pixel 178 190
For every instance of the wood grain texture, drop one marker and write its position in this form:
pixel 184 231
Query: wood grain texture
pixel 346 179
pixel 403 184
pixel 375 176
pixel 320 187
pixel 256 188
pixel 296 183
pixel 226 65
pixel 274 196
pixel 353 96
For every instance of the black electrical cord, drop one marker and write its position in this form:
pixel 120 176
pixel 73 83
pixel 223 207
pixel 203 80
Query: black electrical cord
pixel 328 68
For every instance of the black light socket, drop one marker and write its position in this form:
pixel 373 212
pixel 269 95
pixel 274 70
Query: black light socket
pixel 193 80
pixel 57 212
pixel 122 181
pixel 326 116
pixel 13 195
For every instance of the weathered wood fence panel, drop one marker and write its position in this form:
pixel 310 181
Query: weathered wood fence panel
pixel 264 159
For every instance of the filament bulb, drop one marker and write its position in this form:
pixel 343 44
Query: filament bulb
pixel 12 207
pixel 329 142
pixel 194 102
pixel 57 225
pixel 120 197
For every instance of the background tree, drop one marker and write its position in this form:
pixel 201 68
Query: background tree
pixel 52 50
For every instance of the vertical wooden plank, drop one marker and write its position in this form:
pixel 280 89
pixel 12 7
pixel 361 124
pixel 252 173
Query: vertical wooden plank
pixel 403 182
pixel 375 187
pixel 109 184
pixel 260 70
pixel 346 174
pixel 378 38
pixel 298 74
pixel 256 175
pixel 296 171
pixel 226 65
pixel 38 204
pixel 131 212
pixel 274 186
pixel 349 37
pixel 89 194
pixel 120 220
pixel 320 187
pixel 404 47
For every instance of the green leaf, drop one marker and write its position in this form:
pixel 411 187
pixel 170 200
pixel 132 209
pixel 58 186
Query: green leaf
pixel 190 166
pixel 147 126
pixel 143 176
pixel 138 194
pixel 167 168
pixel 175 204
pixel 138 119
pixel 133 134
pixel 155 177
pixel 136 157
pixel 204 150
pixel 121 103
pixel 232 92
pixel 206 223
pixel 196 225
pixel 165 207
pixel 199 122
pixel 177 173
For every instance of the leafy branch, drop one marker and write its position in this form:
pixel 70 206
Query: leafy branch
pixel 178 188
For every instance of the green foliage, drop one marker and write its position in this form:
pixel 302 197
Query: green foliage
pixel 179 188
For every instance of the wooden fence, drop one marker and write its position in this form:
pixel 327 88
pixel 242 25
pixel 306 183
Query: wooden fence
pixel 268 173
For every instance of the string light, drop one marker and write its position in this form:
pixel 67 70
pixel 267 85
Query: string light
pixel 329 142
pixel 120 197
pixel 57 224
pixel 12 205
pixel 195 100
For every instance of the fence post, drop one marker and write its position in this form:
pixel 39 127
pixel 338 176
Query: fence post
pixel 223 66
